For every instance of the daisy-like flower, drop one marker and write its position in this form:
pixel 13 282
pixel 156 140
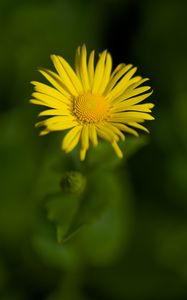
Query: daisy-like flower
pixel 92 101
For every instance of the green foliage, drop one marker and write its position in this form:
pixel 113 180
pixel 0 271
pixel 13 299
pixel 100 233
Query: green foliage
pixel 118 230
pixel 84 199
pixel 171 245
pixel 108 212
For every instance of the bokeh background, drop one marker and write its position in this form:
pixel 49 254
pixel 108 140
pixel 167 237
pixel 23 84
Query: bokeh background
pixel 139 251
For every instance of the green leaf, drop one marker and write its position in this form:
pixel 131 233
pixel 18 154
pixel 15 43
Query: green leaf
pixel 104 155
pixel 133 145
pixel 94 202
pixel 85 198
pixel 61 209
pixel 60 256
pixel 101 241
pixel 72 210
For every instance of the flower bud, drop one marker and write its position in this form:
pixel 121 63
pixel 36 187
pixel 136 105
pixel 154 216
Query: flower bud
pixel 73 182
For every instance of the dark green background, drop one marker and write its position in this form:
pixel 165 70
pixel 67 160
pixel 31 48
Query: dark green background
pixel 144 253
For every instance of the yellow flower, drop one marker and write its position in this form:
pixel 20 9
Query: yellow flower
pixel 92 101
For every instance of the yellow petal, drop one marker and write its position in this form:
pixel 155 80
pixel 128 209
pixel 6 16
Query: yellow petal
pixel 116 78
pixel 139 126
pixel 55 120
pixel 83 70
pixel 136 83
pixel 106 75
pixel 127 129
pixel 53 112
pixel 39 102
pixel 44 132
pixel 63 126
pixel 77 61
pixel 93 135
pixel 106 133
pixel 73 143
pixel 121 107
pixel 63 75
pixel 133 80
pixel 91 67
pixel 72 76
pixel 128 94
pixel 99 70
pixel 142 107
pixel 121 85
pixel 55 80
pixel 83 154
pixel 85 138
pixel 117 69
pixel 50 91
pixel 115 130
pixel 126 120
pixel 57 123
pixel 50 101
pixel 71 139
pixel 138 115
pixel 117 150
pixel 137 99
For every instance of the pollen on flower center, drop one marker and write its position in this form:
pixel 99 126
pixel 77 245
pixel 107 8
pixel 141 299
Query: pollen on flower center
pixel 90 108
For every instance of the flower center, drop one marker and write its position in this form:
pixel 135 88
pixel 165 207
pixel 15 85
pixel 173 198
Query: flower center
pixel 90 108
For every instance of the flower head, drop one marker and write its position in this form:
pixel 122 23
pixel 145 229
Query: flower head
pixel 92 101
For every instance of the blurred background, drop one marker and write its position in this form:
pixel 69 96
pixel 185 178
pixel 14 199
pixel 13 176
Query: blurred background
pixel 137 247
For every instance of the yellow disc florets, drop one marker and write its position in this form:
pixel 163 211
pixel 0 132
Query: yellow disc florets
pixel 90 108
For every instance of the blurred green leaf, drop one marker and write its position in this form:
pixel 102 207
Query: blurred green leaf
pixel 71 210
pixel 61 209
pixel 54 254
pixel 102 157
pixel 109 216
pixel 171 245
pixel 133 145
pixel 105 157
